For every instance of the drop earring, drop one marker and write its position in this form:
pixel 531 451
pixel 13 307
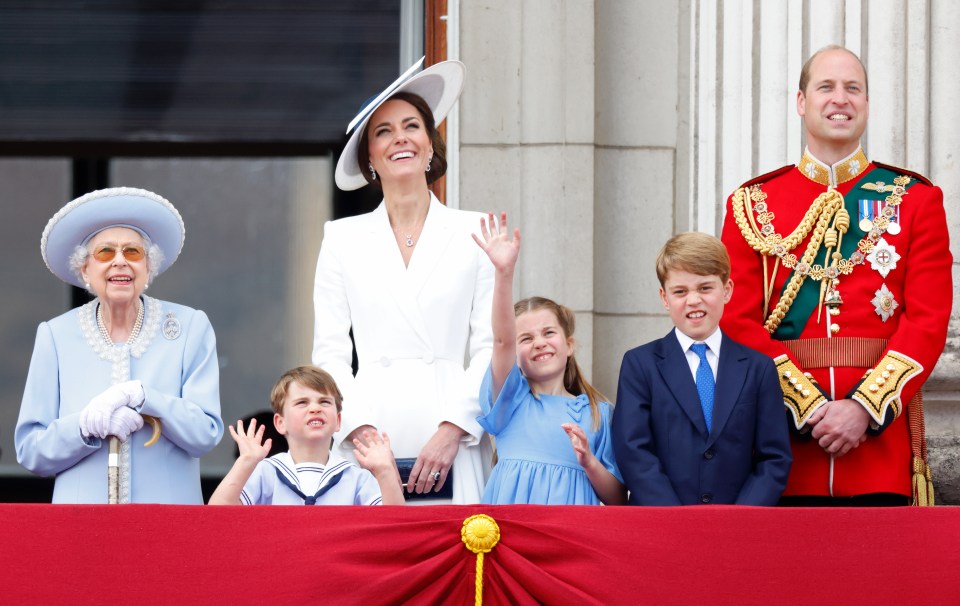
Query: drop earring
pixel 429 160
pixel 373 173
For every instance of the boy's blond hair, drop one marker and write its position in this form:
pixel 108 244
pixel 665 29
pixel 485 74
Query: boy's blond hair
pixel 695 252
pixel 308 376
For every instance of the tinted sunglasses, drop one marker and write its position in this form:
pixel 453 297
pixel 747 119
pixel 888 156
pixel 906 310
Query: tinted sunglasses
pixel 130 252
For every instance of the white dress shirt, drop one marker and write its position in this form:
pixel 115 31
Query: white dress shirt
pixel 713 351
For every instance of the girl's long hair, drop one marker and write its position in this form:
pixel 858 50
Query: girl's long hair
pixel 573 379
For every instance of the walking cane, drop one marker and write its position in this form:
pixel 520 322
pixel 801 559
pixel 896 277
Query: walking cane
pixel 113 459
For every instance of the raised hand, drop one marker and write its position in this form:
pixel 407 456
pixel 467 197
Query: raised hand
pixel 250 441
pixel 497 243
pixel 581 447
pixel 374 454
pixel 373 451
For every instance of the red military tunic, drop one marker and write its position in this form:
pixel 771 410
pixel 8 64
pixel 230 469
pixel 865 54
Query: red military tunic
pixel 882 324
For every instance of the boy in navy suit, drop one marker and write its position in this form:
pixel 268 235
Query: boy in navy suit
pixel 699 417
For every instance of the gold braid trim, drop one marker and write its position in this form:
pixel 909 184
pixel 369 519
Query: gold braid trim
pixel 801 395
pixel 765 243
pixel 881 387
pixel 831 201
pixel 817 218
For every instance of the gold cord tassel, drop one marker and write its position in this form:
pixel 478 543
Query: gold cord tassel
pixel 480 533
pixel 922 483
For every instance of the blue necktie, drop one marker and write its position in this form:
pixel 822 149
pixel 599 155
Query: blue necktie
pixel 705 383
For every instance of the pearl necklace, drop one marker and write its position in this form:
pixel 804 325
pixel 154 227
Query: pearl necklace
pixel 133 333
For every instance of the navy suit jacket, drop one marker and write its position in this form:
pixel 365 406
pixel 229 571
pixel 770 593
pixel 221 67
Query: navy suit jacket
pixel 660 437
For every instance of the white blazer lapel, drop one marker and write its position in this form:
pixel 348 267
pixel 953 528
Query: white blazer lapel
pixel 437 232
pixel 395 277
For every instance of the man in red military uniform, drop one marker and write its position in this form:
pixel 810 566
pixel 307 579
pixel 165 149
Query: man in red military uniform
pixel 843 274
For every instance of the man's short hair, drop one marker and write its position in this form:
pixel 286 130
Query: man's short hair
pixel 805 70
pixel 695 252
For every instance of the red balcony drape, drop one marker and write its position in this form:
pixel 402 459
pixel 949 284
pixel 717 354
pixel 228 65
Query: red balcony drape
pixel 154 554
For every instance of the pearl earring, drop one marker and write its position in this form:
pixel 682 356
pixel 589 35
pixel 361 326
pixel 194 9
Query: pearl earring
pixel 373 173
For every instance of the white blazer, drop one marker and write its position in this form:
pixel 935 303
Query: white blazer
pixel 422 332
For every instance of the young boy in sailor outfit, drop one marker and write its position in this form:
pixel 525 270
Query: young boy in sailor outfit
pixel 306 404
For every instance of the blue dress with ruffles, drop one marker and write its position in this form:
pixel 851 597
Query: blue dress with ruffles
pixel 536 462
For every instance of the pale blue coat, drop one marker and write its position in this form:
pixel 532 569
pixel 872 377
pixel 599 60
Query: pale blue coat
pixel 175 358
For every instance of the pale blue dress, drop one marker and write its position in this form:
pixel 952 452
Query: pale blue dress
pixel 174 356
pixel 536 462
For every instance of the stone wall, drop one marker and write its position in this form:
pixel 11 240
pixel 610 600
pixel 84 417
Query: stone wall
pixel 605 126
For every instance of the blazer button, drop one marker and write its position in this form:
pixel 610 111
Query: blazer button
pixel 385 361
pixel 708 455
pixel 428 357
pixel 706 497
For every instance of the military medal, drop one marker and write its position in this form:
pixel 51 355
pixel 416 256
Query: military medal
pixel 874 212
pixel 884 303
pixel 876 218
pixel 883 257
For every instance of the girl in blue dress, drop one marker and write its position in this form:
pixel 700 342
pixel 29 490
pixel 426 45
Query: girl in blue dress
pixel 552 428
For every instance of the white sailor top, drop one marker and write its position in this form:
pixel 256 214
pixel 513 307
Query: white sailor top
pixel 277 480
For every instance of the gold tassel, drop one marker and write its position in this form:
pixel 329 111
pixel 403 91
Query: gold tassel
pixel 480 534
pixel 921 495
pixel 929 475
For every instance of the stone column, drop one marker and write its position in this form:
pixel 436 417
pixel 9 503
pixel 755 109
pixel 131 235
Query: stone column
pixel 636 100
pixel 527 140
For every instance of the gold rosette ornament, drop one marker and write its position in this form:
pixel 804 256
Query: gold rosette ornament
pixel 480 534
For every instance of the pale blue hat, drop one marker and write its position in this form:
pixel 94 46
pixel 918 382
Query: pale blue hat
pixel 81 219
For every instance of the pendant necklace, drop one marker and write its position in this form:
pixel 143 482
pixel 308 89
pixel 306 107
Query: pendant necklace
pixel 407 238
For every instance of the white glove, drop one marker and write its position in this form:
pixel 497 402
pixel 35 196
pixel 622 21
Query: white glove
pixel 134 390
pixel 95 416
pixel 123 423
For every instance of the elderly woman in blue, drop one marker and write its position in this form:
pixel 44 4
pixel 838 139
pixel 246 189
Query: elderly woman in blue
pixel 99 370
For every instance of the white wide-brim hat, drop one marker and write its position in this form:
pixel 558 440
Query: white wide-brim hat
pixel 81 219
pixel 440 87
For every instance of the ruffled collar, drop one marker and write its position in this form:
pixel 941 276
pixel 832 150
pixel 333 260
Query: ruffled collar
pixel 136 346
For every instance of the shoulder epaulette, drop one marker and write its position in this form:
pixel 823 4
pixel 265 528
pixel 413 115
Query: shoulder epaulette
pixel 904 171
pixel 769 175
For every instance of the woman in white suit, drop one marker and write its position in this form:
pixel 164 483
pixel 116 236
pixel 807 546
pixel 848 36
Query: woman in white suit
pixel 415 289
